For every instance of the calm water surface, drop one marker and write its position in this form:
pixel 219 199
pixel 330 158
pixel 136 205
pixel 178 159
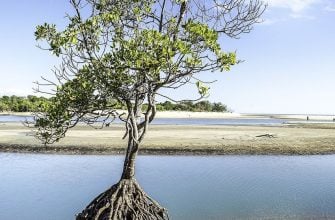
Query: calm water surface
pixel 14 118
pixel 180 121
pixel 43 187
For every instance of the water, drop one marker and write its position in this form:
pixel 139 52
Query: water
pixel 180 121
pixel 218 121
pixel 43 187
pixel 15 118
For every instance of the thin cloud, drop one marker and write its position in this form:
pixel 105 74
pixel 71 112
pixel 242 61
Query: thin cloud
pixel 285 10
pixel 330 8
pixel 296 6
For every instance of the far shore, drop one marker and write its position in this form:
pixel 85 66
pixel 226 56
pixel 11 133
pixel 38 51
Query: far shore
pixel 229 115
pixel 287 139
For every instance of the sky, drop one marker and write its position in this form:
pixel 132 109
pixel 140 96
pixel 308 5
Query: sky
pixel 288 60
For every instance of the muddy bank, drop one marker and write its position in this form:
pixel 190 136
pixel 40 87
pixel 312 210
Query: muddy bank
pixel 293 139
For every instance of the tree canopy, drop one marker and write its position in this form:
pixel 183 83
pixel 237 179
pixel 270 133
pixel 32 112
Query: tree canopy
pixel 127 51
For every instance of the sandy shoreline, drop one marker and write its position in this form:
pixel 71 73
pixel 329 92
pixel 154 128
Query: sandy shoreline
pixel 295 139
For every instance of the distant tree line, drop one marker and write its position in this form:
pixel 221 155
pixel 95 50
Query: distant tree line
pixel 22 104
pixel 202 106
pixel 33 103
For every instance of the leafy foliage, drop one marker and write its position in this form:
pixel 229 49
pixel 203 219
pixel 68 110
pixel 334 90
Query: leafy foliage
pixel 202 106
pixel 123 53
pixel 33 104
pixel 127 52
pixel 22 104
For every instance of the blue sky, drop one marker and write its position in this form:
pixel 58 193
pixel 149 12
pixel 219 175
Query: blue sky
pixel 289 59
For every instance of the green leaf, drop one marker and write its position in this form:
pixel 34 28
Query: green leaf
pixel 202 88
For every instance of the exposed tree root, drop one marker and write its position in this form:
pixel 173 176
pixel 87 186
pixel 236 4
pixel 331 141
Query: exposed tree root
pixel 124 200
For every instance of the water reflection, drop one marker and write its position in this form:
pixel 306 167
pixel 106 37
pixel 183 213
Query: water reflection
pixel 222 187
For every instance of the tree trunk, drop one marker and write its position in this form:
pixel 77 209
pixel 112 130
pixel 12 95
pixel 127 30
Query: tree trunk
pixel 133 145
pixel 126 199
pixel 129 162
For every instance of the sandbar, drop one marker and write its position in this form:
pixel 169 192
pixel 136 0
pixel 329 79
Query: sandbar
pixel 286 139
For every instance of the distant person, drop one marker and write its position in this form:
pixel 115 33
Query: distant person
pixel 333 119
pixel 307 118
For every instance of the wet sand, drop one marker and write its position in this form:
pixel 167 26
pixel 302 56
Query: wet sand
pixel 289 139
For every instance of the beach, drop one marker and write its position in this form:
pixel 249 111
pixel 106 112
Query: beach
pixel 298 137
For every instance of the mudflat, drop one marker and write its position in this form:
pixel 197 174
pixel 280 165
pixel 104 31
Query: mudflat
pixel 287 139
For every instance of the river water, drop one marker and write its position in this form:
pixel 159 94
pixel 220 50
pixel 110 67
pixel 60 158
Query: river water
pixel 180 121
pixel 43 187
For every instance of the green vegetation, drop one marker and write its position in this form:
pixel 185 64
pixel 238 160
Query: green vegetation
pixel 33 104
pixel 202 106
pixel 128 51
pixel 22 104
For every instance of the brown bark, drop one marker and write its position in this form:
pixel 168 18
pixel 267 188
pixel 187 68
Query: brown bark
pixel 126 199
pixel 129 163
